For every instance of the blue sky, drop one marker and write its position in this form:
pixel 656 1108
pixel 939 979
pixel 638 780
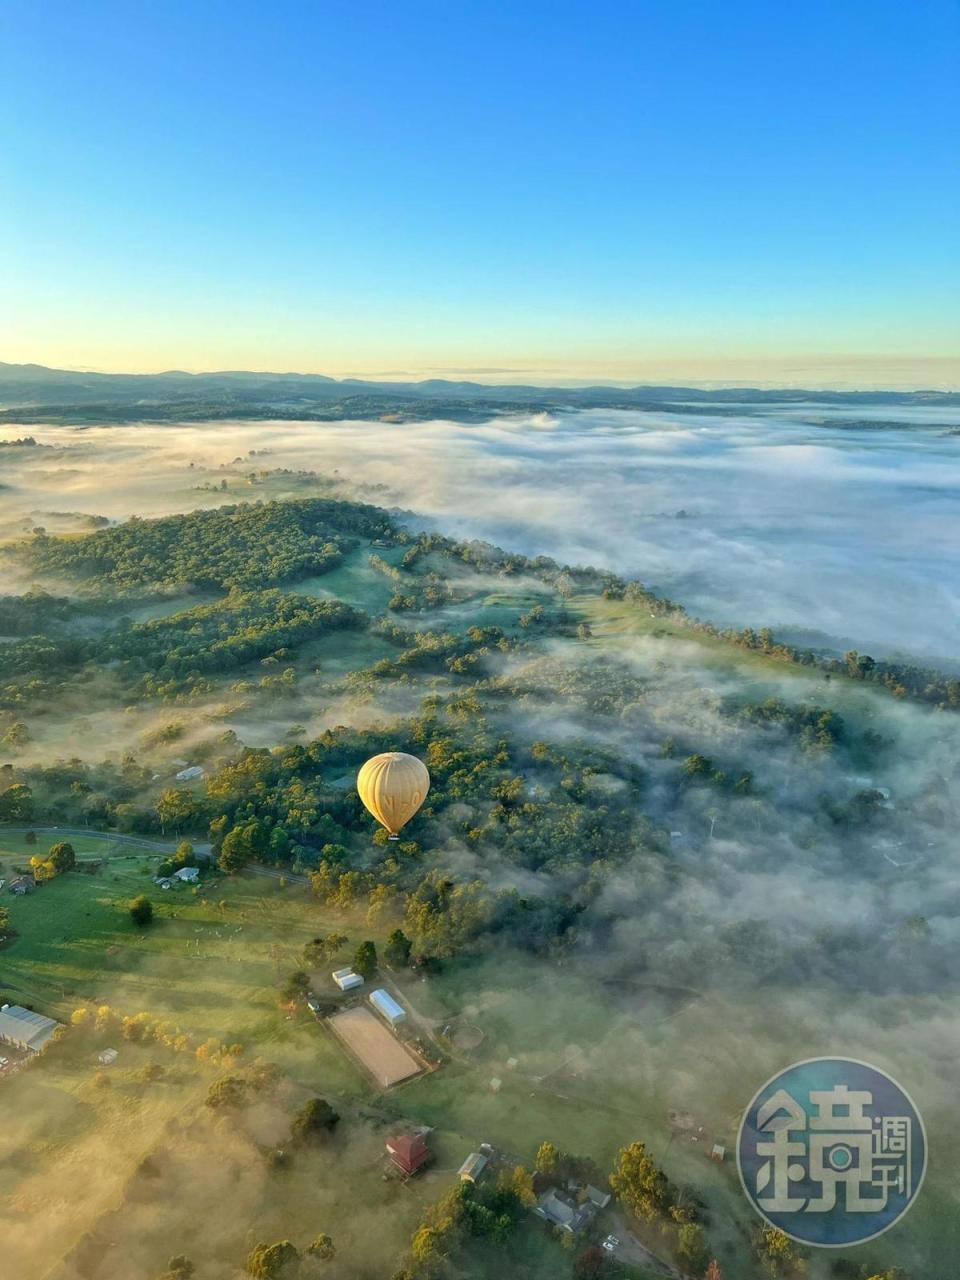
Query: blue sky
pixel 565 190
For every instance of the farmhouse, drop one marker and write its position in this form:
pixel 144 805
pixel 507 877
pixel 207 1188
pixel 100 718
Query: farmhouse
pixel 571 1210
pixel 24 1028
pixel 561 1210
pixel 409 1152
pixel 108 1057
pixel 387 1007
pixel 600 1199
pixel 187 875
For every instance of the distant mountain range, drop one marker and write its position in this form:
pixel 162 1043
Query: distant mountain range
pixel 32 393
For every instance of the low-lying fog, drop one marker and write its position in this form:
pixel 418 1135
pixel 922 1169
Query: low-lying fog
pixel 837 936
pixel 811 520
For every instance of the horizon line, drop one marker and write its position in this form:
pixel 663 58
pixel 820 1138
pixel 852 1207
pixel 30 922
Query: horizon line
pixel 539 379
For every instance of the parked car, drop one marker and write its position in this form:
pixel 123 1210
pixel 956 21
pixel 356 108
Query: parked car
pixel 611 1244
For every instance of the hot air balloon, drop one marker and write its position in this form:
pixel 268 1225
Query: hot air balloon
pixel 393 786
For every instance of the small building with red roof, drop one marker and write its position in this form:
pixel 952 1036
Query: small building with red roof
pixel 409 1152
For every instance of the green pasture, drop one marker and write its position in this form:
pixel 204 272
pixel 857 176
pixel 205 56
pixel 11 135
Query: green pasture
pixel 616 619
pixel 759 675
pixel 591 1075
pixel 211 966
pixel 354 580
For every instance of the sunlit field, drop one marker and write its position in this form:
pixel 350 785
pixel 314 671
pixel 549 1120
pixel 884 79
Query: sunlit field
pixel 688 854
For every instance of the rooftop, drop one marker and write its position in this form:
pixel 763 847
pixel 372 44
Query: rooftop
pixel 566 1212
pixel 472 1167
pixel 385 1003
pixel 25 1028
pixel 408 1150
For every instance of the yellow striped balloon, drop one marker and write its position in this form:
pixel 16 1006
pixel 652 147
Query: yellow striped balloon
pixel 393 786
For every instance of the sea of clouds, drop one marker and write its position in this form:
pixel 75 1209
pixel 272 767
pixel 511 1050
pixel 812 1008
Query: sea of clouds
pixel 805 519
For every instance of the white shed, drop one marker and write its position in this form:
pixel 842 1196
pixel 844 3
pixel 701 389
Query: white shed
pixel 387 1007
pixel 346 979
pixel 24 1028
pixel 472 1167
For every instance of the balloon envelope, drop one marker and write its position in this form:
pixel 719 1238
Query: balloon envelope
pixel 393 786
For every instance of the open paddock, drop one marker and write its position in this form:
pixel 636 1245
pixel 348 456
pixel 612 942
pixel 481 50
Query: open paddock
pixel 374 1046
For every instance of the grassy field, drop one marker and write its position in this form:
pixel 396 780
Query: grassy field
pixel 212 967
pixel 615 619
pixel 752 676
pixel 592 1073
pixel 355 581
pixel 71 1148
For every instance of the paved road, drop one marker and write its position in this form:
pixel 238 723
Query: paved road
pixel 275 873
pixel 139 842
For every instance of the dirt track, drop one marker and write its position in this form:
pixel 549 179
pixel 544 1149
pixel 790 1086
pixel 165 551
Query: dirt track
pixel 375 1046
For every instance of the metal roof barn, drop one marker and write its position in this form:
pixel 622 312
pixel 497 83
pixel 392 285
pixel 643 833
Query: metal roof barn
pixel 346 979
pixel 472 1167
pixel 387 1007
pixel 24 1028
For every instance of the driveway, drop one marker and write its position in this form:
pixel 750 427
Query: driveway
pixel 634 1252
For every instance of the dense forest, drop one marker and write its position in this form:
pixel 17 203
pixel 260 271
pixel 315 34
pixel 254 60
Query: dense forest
pixel 246 547
pixel 617 789
pixel 572 809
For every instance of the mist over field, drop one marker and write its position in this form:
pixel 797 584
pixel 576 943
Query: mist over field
pixel 837 530
pixel 721 931
pixel 479 616
pixel 766 519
